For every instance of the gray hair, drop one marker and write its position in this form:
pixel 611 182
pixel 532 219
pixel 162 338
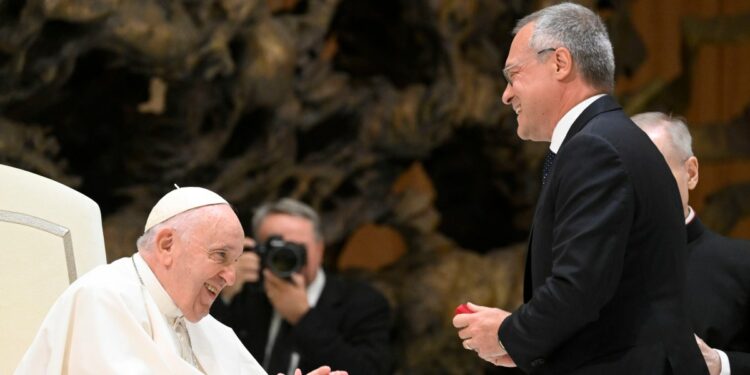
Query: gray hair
pixel 582 32
pixel 144 241
pixel 679 135
pixel 287 206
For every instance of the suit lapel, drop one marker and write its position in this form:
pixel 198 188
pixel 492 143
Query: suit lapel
pixel 527 284
pixel 604 104
pixel 695 229
pixel 331 295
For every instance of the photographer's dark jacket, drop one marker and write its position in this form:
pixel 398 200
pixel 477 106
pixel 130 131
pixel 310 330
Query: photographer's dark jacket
pixel 718 283
pixel 348 329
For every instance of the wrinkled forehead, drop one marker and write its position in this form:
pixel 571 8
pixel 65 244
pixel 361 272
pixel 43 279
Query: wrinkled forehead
pixel 218 223
pixel 230 227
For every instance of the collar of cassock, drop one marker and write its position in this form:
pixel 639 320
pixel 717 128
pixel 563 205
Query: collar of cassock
pixel 156 290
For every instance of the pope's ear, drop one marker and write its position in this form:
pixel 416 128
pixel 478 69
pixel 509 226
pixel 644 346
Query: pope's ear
pixel 165 245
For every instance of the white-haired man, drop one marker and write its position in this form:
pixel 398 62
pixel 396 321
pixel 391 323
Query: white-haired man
pixel 148 314
pixel 718 273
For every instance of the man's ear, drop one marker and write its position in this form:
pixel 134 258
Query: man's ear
pixel 563 63
pixel 165 246
pixel 692 169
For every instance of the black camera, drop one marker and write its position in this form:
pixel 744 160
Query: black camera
pixel 283 258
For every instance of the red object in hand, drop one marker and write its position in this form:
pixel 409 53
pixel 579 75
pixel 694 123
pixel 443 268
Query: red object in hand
pixel 463 309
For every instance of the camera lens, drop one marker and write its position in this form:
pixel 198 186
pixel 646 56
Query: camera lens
pixel 283 261
pixel 283 258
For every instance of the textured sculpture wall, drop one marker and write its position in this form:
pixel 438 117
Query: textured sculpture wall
pixel 335 102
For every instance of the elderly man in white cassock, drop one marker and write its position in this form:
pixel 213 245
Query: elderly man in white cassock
pixel 148 314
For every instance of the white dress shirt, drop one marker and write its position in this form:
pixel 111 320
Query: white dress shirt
pixel 563 126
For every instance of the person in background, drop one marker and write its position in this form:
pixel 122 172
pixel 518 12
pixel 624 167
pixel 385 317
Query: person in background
pixel 312 318
pixel 148 313
pixel 604 282
pixel 718 274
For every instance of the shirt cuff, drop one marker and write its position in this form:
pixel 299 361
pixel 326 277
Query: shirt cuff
pixel 725 370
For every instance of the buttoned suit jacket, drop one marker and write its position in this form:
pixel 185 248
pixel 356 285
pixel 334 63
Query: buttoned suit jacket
pixel 718 293
pixel 604 283
pixel 348 329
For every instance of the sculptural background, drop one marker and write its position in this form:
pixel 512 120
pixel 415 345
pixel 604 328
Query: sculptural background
pixel 381 114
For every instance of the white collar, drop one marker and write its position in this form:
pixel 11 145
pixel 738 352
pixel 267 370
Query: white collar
pixel 316 288
pixel 690 216
pixel 156 290
pixel 563 126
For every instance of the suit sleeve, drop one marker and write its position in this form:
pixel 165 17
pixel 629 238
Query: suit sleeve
pixel 739 362
pixel 358 343
pixel 592 215
pixel 739 359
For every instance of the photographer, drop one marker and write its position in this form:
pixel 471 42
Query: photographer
pixel 308 317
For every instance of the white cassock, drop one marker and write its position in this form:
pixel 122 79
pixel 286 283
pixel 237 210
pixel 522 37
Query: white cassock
pixel 108 322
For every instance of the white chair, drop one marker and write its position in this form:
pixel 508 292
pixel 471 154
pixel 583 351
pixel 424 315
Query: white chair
pixel 50 235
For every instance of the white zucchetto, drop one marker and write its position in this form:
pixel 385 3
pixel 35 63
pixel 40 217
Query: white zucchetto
pixel 180 200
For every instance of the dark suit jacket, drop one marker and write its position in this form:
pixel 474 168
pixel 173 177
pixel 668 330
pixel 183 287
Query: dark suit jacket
pixel 348 329
pixel 718 289
pixel 604 286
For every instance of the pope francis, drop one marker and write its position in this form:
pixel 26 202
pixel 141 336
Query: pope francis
pixel 148 314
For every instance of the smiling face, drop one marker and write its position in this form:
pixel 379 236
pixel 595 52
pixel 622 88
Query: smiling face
pixel 197 252
pixel 295 229
pixel 532 93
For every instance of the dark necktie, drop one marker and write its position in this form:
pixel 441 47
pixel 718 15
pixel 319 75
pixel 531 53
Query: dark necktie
pixel 282 350
pixel 549 159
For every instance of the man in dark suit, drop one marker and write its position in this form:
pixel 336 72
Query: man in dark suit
pixel 314 318
pixel 718 273
pixel 604 283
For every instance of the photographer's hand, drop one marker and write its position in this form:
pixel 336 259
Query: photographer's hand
pixel 288 299
pixel 247 270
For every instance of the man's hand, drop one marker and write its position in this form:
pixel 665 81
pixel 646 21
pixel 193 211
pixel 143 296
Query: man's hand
pixel 478 330
pixel 288 299
pixel 323 370
pixel 503 360
pixel 247 270
pixel 711 356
